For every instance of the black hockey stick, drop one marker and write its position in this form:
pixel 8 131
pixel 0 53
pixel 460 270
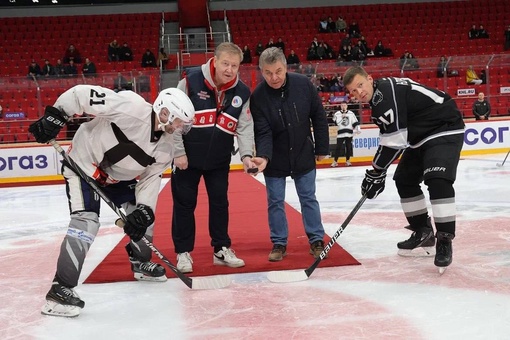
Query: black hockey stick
pixel 504 160
pixel 197 283
pixel 294 276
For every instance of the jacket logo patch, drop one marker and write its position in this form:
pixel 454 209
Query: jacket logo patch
pixel 203 95
pixel 237 102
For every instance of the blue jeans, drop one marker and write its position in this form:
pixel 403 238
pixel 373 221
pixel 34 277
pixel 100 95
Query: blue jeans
pixel 310 211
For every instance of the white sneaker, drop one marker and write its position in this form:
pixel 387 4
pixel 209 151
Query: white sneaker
pixel 334 164
pixel 226 257
pixel 184 262
pixel 347 163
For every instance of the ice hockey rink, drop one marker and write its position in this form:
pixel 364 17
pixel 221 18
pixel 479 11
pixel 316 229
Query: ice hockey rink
pixel 386 297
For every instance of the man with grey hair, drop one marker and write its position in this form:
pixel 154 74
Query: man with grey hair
pixel 283 107
pixel 221 101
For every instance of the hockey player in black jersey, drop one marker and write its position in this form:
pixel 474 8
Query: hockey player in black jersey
pixel 425 127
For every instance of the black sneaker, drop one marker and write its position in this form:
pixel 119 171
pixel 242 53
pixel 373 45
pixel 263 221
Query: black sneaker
pixel 316 249
pixel 444 253
pixel 421 242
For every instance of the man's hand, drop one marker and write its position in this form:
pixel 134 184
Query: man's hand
pixel 181 162
pixel 49 125
pixel 373 184
pixel 138 221
pixel 260 163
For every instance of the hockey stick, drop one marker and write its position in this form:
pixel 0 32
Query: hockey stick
pixel 197 283
pixel 501 164
pixel 294 276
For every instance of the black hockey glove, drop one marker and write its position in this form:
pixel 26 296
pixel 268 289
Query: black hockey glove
pixel 49 125
pixel 373 184
pixel 138 221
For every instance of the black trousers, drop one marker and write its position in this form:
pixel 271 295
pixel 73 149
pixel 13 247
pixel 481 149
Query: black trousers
pixel 184 185
pixel 343 148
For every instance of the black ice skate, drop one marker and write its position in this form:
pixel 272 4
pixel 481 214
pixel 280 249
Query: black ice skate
pixel 62 301
pixel 443 251
pixel 421 242
pixel 145 270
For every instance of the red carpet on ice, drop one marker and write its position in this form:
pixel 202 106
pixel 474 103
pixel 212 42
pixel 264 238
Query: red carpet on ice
pixel 248 230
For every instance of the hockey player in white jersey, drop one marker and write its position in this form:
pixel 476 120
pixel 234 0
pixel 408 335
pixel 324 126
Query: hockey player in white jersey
pixel 347 125
pixel 125 148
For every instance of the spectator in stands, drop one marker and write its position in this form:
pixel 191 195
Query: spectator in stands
pixel 413 62
pixel 442 69
pixel 70 69
pixel 148 59
pixel 246 55
pixel 340 25
pixel 481 108
pixel 125 53
pixel 472 77
pixel 334 83
pixel 1 112
pixel 48 70
pixel 162 58
pixel 259 49
pixel 323 25
pixel 60 70
pixel 120 83
pixel 346 41
pixel 345 53
pixel 113 51
pixel 270 43
pixel 292 60
pixel 89 68
pixel 482 33
pixel 365 49
pixel 320 51
pixel 73 54
pixel 507 38
pixel 312 53
pixel 356 53
pixel 34 70
pixel 354 30
pixel 381 51
pixel 473 32
pixel 408 61
pixel 280 44
pixel 142 83
pixel 329 51
pixel 331 25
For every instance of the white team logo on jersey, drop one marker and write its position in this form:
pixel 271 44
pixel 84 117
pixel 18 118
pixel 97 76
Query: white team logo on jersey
pixel 237 102
pixel 377 97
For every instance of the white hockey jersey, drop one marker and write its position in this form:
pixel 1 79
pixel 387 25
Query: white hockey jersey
pixel 346 122
pixel 121 139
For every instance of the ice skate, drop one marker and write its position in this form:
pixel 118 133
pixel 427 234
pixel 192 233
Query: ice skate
pixel 348 163
pixel 145 270
pixel 62 301
pixel 421 243
pixel 443 251
pixel 334 164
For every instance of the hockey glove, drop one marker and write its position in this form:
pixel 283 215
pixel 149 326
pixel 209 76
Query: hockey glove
pixel 373 184
pixel 138 221
pixel 49 125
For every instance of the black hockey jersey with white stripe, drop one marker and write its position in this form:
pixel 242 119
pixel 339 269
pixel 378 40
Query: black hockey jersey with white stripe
pixel 409 114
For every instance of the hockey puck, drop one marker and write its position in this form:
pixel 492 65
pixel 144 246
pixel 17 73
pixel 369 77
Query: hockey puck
pixel 253 170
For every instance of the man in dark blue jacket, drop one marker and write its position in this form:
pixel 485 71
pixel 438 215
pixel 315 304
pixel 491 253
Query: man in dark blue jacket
pixel 283 107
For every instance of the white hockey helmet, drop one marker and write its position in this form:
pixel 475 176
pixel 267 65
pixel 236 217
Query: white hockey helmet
pixel 179 105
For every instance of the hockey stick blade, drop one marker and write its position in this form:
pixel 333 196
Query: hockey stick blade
pixel 201 283
pixel 295 276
